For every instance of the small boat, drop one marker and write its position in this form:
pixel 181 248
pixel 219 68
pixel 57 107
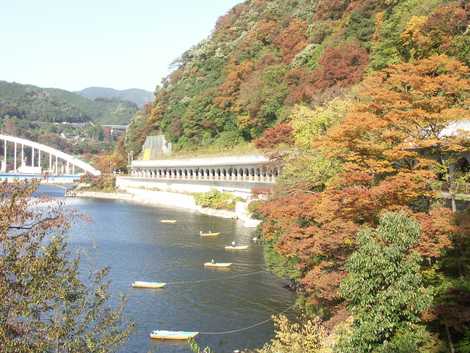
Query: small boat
pixel 151 285
pixel 218 264
pixel 172 335
pixel 171 221
pixel 209 234
pixel 236 247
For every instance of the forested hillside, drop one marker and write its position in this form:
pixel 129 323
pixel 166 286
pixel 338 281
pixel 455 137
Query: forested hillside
pixel 266 58
pixel 33 103
pixel 134 95
pixel 356 97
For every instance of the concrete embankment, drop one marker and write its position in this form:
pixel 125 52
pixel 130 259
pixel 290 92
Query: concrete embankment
pixel 172 200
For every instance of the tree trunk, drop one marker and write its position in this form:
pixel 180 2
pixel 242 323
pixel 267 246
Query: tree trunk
pixel 449 338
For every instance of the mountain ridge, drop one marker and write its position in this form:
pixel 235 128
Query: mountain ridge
pixel 35 103
pixel 136 95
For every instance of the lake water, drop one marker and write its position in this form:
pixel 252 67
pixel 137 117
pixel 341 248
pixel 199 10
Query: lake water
pixel 130 239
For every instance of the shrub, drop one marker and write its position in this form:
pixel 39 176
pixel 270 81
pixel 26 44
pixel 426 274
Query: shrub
pixel 216 199
pixel 253 208
pixel 105 183
pixel 293 337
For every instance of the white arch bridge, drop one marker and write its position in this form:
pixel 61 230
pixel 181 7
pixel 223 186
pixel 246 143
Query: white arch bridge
pixel 24 157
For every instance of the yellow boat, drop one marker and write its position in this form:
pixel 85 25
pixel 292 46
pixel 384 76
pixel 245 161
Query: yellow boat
pixel 172 335
pixel 151 285
pixel 218 264
pixel 171 221
pixel 209 234
pixel 236 247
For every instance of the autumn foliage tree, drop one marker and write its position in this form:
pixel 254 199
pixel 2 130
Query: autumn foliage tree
pixel 400 111
pixel 46 306
pixel 343 66
pixel 275 136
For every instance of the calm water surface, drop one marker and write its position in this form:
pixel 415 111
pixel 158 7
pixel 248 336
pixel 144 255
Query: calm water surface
pixel 130 239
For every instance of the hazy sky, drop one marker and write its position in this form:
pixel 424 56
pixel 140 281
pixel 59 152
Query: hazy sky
pixel 73 44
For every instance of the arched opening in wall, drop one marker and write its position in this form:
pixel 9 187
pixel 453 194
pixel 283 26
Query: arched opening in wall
pixel 224 173
pixel 191 173
pixel 230 173
pixel 276 172
pixel 185 173
pixel 240 174
pixel 235 173
pixel 247 174
pixel 213 173
pixel 218 173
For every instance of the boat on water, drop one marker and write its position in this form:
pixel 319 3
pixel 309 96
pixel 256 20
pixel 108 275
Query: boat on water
pixel 236 247
pixel 172 335
pixel 218 264
pixel 209 234
pixel 151 285
pixel 171 221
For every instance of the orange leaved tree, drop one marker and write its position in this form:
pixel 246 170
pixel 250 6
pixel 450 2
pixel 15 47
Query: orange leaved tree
pixel 392 146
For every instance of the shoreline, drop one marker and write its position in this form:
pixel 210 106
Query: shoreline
pixel 172 200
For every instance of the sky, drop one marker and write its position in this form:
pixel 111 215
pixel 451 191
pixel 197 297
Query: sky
pixel 73 44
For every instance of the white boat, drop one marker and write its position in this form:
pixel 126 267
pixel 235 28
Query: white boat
pixel 236 247
pixel 172 335
pixel 151 285
pixel 218 264
pixel 171 221
pixel 209 234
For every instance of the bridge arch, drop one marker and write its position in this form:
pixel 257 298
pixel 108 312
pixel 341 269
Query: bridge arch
pixel 68 162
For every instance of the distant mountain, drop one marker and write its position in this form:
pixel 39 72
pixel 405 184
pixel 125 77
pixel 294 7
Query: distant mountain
pixel 135 95
pixel 34 103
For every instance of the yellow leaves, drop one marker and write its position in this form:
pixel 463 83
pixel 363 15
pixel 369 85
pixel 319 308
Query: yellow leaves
pixel 412 35
pixel 309 125
pixel 243 121
pixel 292 337
pixel 379 19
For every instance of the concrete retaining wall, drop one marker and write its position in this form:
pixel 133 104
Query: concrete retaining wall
pixel 241 189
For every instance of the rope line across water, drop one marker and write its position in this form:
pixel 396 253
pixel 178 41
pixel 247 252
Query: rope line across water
pixel 228 332
pixel 216 279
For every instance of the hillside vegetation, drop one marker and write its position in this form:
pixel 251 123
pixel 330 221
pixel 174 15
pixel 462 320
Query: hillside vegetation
pixel 355 97
pixel 33 103
pixel 265 58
